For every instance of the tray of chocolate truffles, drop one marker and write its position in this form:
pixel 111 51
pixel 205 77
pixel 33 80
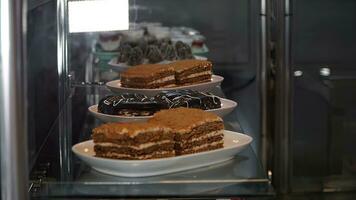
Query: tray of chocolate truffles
pixel 151 52
pixel 138 107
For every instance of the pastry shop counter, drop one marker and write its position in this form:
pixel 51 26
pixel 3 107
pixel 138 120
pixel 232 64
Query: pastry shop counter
pixel 238 177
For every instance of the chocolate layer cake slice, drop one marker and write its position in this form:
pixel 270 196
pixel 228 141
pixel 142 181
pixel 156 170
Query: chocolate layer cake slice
pixel 148 76
pixel 133 141
pixel 192 71
pixel 195 130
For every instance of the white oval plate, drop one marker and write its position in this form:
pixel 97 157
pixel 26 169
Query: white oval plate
pixel 123 66
pixel 227 106
pixel 233 143
pixel 115 86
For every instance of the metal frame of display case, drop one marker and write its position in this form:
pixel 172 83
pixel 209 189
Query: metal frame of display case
pixel 281 164
pixel 13 124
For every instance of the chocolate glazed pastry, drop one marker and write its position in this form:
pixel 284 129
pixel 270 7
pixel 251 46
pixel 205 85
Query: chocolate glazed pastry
pixel 136 57
pixel 129 105
pixel 168 51
pixel 142 44
pixel 153 54
pixel 183 50
pixel 124 53
pixel 189 99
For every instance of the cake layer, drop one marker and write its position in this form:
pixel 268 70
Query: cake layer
pixel 202 148
pixel 199 130
pixel 192 71
pixel 198 137
pixel 135 147
pixel 183 66
pixel 154 78
pixel 139 139
pixel 193 75
pixel 187 145
pixel 199 79
pixel 152 85
pixel 157 154
pixel 100 149
pixel 148 76
pixel 131 133
pixel 183 120
pixel 147 71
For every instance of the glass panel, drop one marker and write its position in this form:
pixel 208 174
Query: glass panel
pixel 323 50
pixel 225 32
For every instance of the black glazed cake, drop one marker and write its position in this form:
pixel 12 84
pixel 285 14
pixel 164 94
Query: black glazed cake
pixel 189 99
pixel 141 105
pixel 128 105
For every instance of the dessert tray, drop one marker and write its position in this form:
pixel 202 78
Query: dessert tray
pixel 124 66
pixel 233 143
pixel 227 106
pixel 115 86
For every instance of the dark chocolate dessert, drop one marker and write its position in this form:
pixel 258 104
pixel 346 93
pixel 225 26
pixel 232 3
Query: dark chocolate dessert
pixel 142 44
pixel 168 51
pixel 124 53
pixel 136 57
pixel 153 54
pixel 128 105
pixel 183 50
pixel 188 98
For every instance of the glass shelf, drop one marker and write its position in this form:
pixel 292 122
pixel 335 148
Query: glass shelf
pixel 241 176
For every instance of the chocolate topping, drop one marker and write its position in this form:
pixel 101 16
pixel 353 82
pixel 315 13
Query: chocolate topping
pixel 183 50
pixel 124 53
pixel 189 99
pixel 153 54
pixel 136 57
pixel 168 51
pixel 129 105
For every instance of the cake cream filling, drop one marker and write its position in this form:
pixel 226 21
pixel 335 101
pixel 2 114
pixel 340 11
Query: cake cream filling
pixel 204 146
pixel 162 80
pixel 136 147
pixel 113 154
pixel 203 137
pixel 197 74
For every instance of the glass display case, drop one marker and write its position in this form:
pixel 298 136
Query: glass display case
pixel 281 70
pixel 74 49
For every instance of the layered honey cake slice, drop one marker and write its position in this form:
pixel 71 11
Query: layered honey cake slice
pixel 148 76
pixel 192 71
pixel 133 141
pixel 195 130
